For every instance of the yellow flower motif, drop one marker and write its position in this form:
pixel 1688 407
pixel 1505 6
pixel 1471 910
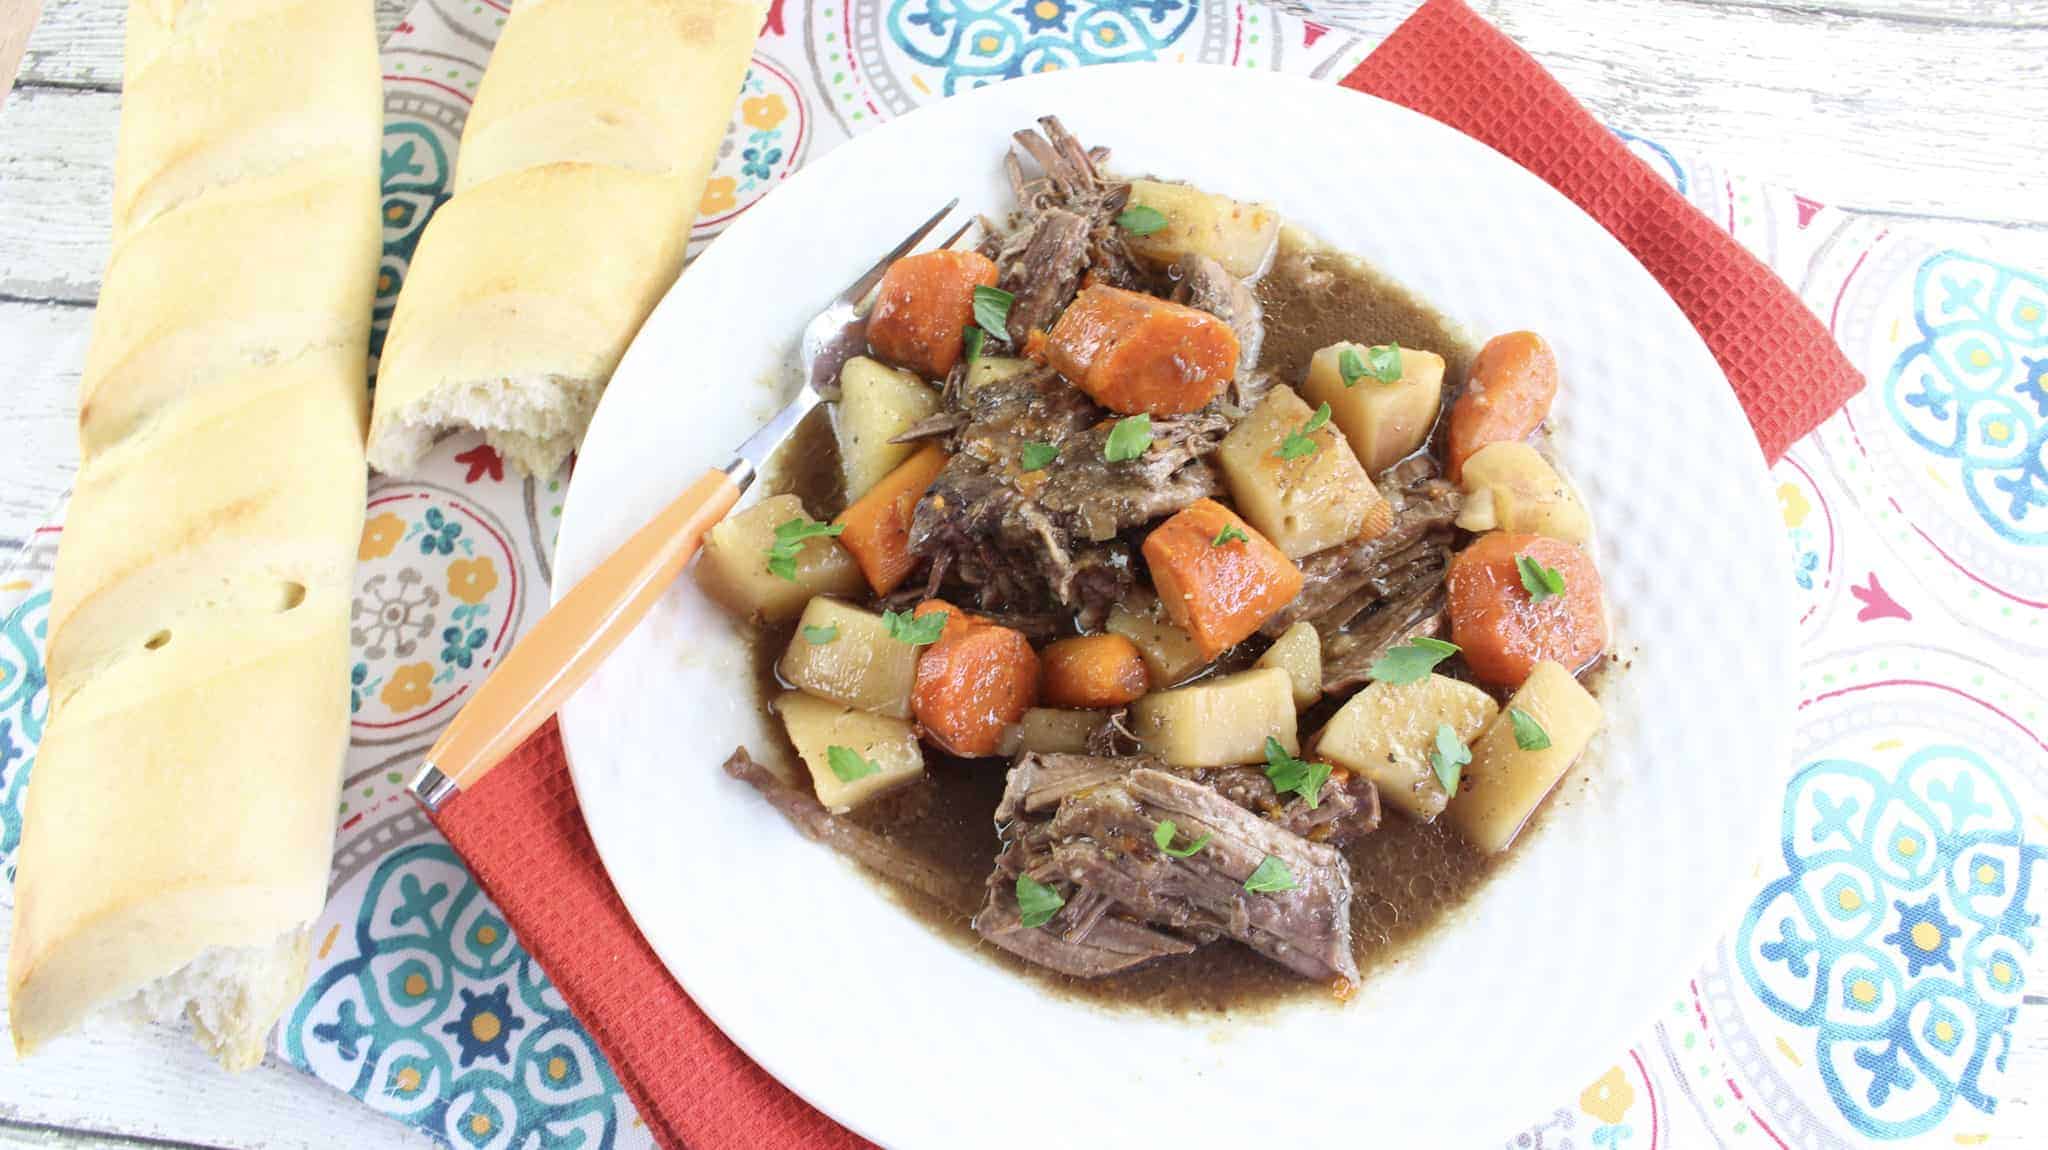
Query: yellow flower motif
pixel 763 112
pixel 471 579
pixel 409 688
pixel 380 537
pixel 717 195
pixel 1792 504
pixel 1609 1097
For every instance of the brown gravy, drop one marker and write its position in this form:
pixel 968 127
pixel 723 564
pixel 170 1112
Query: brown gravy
pixel 1405 876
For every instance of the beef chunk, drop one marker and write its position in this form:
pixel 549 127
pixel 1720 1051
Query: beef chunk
pixel 1348 805
pixel 1084 940
pixel 1349 656
pixel 863 846
pixel 1101 839
pixel 1415 548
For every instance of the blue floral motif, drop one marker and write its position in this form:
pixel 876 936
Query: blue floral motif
pixel 439 534
pixel 1973 389
pixel 439 1017
pixel 977 42
pixel 361 686
pixel 1896 931
pixel 460 649
pixel 759 163
pixel 415 182
pixel 24 705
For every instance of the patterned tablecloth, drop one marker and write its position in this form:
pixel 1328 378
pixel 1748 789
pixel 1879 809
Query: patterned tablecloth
pixel 1869 991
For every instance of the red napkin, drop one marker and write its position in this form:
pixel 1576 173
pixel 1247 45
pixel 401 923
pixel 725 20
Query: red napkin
pixel 520 827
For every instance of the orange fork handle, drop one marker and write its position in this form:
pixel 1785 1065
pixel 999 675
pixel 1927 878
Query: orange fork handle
pixel 559 653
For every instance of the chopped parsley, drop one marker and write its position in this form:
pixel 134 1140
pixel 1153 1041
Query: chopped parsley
pixel 1162 837
pixel 916 630
pixel 1129 439
pixel 1539 581
pixel 1298 443
pixel 1529 734
pixel 847 764
pixel 1448 758
pixel 1229 533
pixel 818 636
pixel 992 310
pixel 1037 902
pixel 1272 875
pixel 789 539
pixel 1140 220
pixel 973 336
pixel 1382 363
pixel 1036 456
pixel 1411 661
pixel 1289 774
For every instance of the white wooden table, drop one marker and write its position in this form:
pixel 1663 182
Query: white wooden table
pixel 1933 110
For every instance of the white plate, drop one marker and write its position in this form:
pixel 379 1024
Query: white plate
pixel 1537 984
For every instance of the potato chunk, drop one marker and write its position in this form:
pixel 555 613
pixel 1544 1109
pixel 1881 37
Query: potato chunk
pixel 859 665
pixel 733 567
pixel 1170 653
pixel 887 749
pixel 1303 504
pixel 1385 422
pixel 877 404
pixel 1240 236
pixel 1050 730
pixel 1504 784
pixel 1218 722
pixel 1386 733
pixel 987 369
pixel 1511 487
pixel 1299 652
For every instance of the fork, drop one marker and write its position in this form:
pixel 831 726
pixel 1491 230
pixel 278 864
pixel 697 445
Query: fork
pixel 554 658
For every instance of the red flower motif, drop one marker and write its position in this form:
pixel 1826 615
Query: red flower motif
pixel 774 21
pixel 482 459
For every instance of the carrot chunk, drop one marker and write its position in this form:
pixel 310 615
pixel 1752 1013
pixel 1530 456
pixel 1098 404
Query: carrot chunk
pixel 972 684
pixel 878 524
pixel 1498 623
pixel 1136 353
pixel 1092 671
pixel 958 622
pixel 1217 577
pixel 923 308
pixel 1507 394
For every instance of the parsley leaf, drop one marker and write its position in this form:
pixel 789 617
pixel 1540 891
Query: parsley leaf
pixel 1411 661
pixel 1037 902
pixel 1539 581
pixel 1229 533
pixel 818 636
pixel 1351 366
pixel 1385 361
pixel 973 336
pixel 1448 758
pixel 1298 443
pixel 1128 439
pixel 992 310
pixel 1140 220
pixel 1036 456
pixel 847 764
pixel 789 539
pixel 1529 734
pixel 1288 773
pixel 1272 875
pixel 1162 837
pixel 916 630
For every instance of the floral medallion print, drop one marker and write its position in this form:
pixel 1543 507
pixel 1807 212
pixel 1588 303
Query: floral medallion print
pixel 974 42
pixel 438 589
pixel 1810 528
pixel 1972 390
pixel 24 705
pixel 416 181
pixel 764 143
pixel 1888 954
pixel 429 1010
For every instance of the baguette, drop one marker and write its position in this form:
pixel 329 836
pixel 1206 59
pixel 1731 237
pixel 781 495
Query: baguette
pixel 177 847
pixel 579 174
